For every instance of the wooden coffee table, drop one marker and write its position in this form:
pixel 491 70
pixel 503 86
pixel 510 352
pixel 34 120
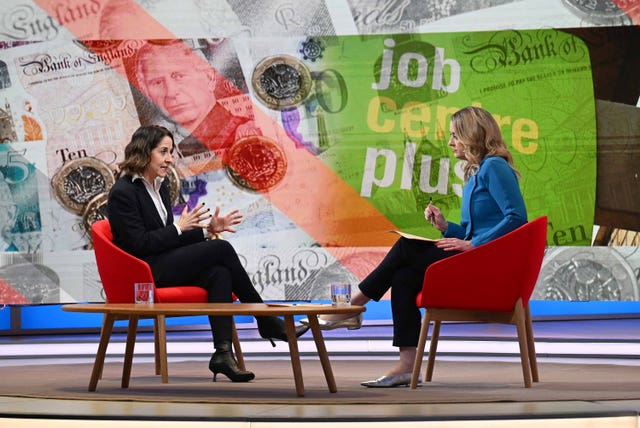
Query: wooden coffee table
pixel 133 312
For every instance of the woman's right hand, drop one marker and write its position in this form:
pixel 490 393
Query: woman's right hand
pixel 192 219
pixel 435 217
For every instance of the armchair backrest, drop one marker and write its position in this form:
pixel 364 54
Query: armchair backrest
pixel 118 269
pixel 491 277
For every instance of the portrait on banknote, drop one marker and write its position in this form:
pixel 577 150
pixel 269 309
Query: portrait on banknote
pixel 194 87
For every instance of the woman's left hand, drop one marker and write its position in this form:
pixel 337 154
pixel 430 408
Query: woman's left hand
pixel 454 244
pixel 224 223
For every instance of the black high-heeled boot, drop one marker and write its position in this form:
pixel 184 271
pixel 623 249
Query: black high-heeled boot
pixel 223 361
pixel 273 328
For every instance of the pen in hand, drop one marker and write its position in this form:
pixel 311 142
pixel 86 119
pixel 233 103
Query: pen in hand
pixel 431 216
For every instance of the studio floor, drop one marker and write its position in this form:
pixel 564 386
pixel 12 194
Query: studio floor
pixel 576 344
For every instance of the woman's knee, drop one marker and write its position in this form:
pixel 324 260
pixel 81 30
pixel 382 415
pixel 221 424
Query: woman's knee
pixel 224 246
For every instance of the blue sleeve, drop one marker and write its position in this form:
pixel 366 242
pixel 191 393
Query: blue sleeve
pixel 454 230
pixel 502 183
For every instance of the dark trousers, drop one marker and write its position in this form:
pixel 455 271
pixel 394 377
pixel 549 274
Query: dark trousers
pixel 402 270
pixel 213 265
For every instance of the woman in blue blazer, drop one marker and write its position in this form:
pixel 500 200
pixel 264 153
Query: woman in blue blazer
pixel 182 252
pixel 492 205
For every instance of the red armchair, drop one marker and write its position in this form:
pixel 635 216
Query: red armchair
pixel 490 283
pixel 119 271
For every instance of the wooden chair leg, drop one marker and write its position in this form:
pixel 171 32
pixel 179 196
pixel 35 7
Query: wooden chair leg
pixel 422 341
pixel 531 346
pixel 236 345
pixel 128 353
pixel 522 341
pixel 431 361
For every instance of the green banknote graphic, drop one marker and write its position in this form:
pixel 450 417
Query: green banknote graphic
pixel 397 93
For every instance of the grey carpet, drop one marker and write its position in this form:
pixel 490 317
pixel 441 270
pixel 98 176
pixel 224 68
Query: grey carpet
pixel 453 382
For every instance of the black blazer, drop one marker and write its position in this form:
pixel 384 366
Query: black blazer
pixel 136 225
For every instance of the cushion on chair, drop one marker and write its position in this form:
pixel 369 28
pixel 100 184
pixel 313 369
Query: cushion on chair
pixel 186 294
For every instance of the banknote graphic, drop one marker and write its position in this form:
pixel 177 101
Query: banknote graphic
pixel 19 118
pixel 85 107
pixel 77 273
pixel 315 90
pixel 21 226
pixel 24 22
pixel 26 276
pixel 348 265
pixel 84 111
pixel 408 16
pixel 193 18
pixel 49 277
pixel 7 124
pixel 283 275
pixel 284 18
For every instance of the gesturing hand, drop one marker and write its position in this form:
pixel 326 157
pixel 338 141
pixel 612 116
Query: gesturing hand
pixel 224 223
pixel 192 219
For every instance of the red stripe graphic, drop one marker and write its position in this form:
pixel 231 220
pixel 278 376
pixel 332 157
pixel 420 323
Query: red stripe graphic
pixel 9 295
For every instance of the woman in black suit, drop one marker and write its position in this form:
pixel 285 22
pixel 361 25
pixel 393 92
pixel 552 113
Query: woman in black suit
pixel 182 252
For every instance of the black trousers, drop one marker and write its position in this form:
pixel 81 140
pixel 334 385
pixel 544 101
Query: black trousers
pixel 213 265
pixel 402 270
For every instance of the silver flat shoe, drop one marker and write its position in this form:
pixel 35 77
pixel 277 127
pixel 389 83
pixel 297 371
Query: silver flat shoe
pixel 352 323
pixel 402 379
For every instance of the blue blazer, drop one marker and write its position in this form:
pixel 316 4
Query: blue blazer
pixel 492 204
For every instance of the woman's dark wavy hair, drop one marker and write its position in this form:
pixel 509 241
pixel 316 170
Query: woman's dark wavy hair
pixel 137 154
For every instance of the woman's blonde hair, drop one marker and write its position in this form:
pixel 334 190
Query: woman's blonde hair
pixel 480 135
pixel 137 154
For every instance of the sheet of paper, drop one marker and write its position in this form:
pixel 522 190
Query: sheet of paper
pixel 410 236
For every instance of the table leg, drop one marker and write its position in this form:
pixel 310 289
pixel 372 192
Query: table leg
pixel 295 355
pixel 237 347
pixel 128 352
pixel 156 347
pixel 161 326
pixel 105 336
pixel 322 352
